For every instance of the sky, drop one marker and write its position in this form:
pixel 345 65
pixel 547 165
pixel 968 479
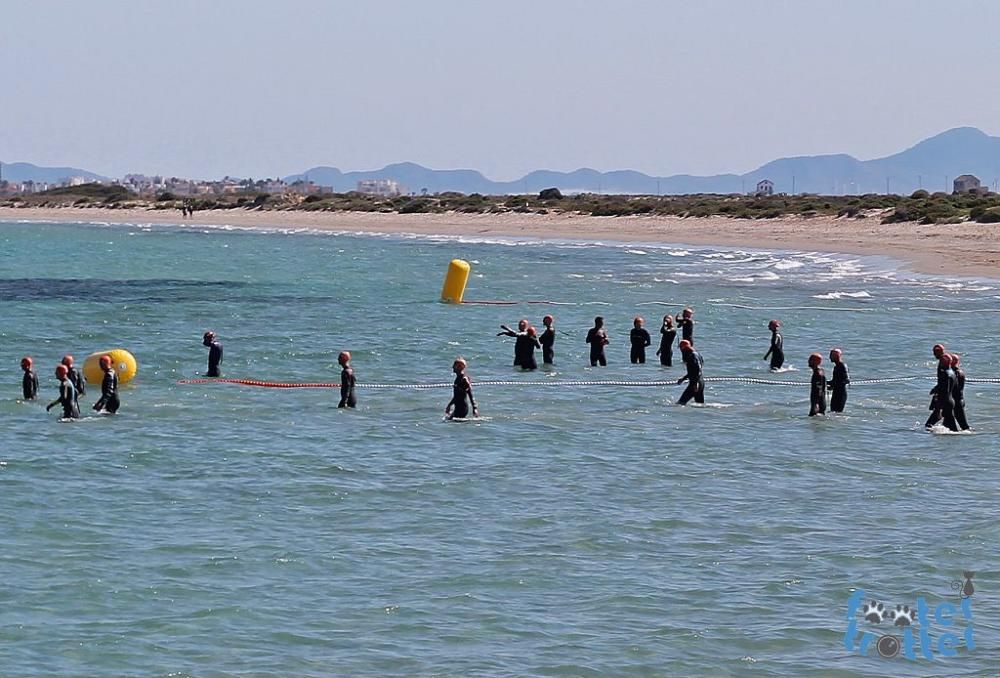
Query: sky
pixel 203 89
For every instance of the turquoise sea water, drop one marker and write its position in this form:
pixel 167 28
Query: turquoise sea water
pixel 220 529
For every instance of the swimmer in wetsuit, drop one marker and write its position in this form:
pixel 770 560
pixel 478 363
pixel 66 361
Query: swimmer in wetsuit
pixel 667 334
pixel 29 382
pixel 67 395
pixel 695 374
pixel 958 392
pixel 75 376
pixel 524 345
pixel 639 338
pixel 462 389
pixel 597 337
pixel 214 353
pixel 817 386
pixel 838 384
pixel 347 381
pixel 548 340
pixel 943 394
pixel 935 407
pixel 685 320
pixel 777 351
pixel 109 401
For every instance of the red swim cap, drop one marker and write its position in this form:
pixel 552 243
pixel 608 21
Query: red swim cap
pixel 61 371
pixel 27 362
pixel 105 361
pixel 344 357
pixel 955 359
pixel 945 360
pixel 774 324
pixel 522 323
pixel 684 345
pixel 67 360
pixel 836 354
pixel 938 350
pixel 815 359
pixel 532 332
pixel 639 319
pixel 547 319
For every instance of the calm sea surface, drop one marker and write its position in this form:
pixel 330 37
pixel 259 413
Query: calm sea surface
pixel 575 530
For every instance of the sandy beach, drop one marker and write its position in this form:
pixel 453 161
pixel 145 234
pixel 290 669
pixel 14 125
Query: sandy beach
pixel 967 249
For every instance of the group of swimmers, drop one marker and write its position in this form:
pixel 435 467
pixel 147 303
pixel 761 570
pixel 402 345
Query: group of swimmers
pixel 72 385
pixel 947 396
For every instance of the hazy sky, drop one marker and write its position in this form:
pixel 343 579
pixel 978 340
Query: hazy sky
pixel 204 88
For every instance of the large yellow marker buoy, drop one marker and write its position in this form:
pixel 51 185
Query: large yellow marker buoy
pixel 454 281
pixel 123 362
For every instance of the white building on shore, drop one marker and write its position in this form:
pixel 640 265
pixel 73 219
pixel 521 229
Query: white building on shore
pixel 384 188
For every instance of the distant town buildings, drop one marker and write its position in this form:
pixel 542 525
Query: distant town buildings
pixel 384 188
pixel 967 183
pixel 765 187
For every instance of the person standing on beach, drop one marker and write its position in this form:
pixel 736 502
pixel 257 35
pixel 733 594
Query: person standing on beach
pixel 29 382
pixel 214 353
pixel 347 381
pixel 639 338
pixel 109 401
pixel 695 374
pixel 548 340
pixel 67 395
pixel 685 319
pixel 75 376
pixel 667 334
pixel 958 392
pixel 839 382
pixel 461 390
pixel 776 352
pixel 597 337
pixel 817 386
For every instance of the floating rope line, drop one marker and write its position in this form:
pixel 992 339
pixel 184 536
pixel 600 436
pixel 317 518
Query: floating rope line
pixel 515 303
pixel 561 382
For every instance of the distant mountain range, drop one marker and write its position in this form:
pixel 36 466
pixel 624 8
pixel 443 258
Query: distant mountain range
pixel 24 171
pixel 931 164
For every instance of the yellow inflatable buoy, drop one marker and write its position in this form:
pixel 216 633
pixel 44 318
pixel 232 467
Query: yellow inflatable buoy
pixel 454 281
pixel 123 362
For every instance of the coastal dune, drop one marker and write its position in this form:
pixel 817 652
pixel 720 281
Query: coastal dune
pixel 966 249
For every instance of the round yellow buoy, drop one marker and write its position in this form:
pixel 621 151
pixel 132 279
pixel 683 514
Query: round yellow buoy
pixel 123 362
pixel 454 281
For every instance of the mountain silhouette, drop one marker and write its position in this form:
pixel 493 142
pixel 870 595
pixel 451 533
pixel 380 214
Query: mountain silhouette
pixel 23 171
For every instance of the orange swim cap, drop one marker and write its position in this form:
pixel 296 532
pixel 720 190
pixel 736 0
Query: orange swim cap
pixel 684 345
pixel 61 371
pixel 344 357
pixel 955 359
pixel 26 361
pixel 532 332
pixel 105 361
pixel 815 359
pixel 67 360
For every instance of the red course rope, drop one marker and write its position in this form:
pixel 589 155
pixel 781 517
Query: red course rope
pixel 265 384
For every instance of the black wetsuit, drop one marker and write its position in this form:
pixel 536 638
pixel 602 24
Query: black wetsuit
pixel 29 385
pixel 639 338
pixel 838 385
pixel 666 351
pixel 597 337
pixel 79 383
pixel 347 382
pixel 461 390
pixel 527 344
pixel 67 398
pixel 214 358
pixel 817 392
pixel 687 328
pixel 958 395
pixel 109 401
pixel 696 384
pixel 776 352
pixel 548 340
pixel 942 399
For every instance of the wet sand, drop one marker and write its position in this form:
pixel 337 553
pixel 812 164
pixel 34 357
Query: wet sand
pixel 967 249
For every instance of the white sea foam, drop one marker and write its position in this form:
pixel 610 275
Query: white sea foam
pixel 841 295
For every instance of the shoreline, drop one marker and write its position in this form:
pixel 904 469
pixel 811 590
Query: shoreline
pixel 967 249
